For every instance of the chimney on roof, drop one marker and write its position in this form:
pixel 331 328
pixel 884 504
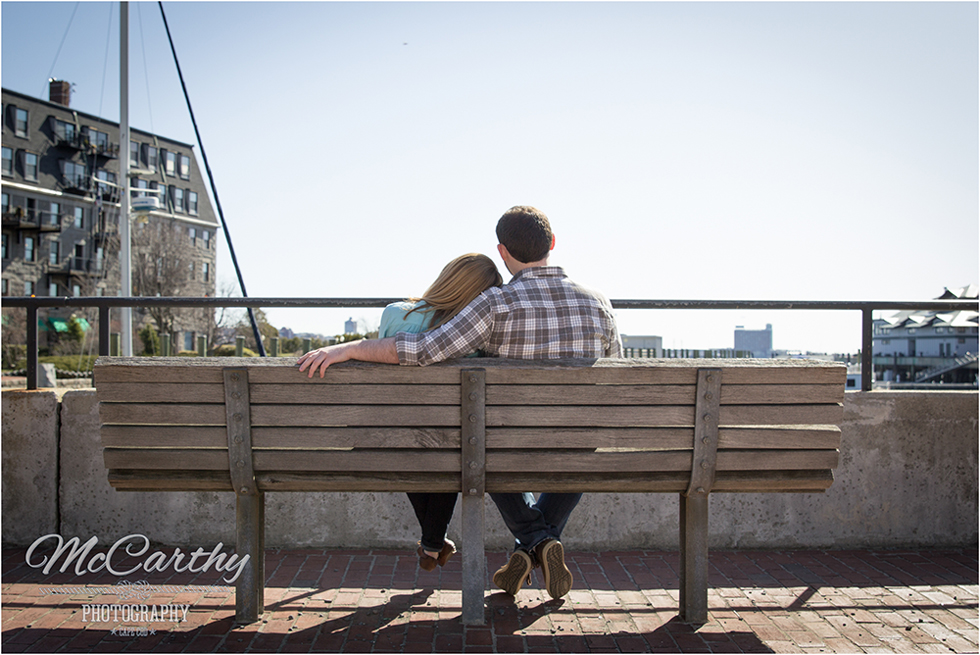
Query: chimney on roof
pixel 59 91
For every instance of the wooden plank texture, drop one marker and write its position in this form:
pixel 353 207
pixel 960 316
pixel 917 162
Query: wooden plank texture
pixel 166 414
pixel 359 415
pixel 357 460
pixel 674 438
pixel 658 394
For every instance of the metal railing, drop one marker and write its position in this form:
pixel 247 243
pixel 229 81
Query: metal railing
pixel 105 304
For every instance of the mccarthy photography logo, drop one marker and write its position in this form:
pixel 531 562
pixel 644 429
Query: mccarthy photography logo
pixel 133 546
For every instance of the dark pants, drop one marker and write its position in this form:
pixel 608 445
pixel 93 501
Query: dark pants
pixel 434 511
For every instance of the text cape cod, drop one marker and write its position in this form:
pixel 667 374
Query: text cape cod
pixel 134 545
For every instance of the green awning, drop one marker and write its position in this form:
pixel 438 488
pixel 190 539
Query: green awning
pixel 58 324
pixel 84 324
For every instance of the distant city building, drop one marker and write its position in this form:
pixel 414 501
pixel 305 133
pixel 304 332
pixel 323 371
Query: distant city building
pixel 647 346
pixel 286 333
pixel 758 342
pixel 350 326
pixel 61 193
pixel 924 346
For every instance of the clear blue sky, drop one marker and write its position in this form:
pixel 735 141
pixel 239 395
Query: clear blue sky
pixel 770 151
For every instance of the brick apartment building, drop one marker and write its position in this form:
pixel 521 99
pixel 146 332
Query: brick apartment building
pixel 61 193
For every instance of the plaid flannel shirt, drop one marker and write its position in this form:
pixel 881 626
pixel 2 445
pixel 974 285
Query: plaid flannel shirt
pixel 539 314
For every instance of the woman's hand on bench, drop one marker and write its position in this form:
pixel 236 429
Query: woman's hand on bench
pixel 381 351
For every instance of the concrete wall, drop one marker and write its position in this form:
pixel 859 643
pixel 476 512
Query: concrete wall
pixel 907 478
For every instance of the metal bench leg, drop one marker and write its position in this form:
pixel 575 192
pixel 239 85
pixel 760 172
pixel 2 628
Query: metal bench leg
pixel 250 586
pixel 474 560
pixel 694 558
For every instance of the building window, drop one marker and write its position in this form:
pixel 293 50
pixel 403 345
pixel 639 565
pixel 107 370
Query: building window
pixel 6 203
pixel 207 272
pixel 53 216
pixel 20 122
pixel 206 235
pixel 28 249
pixel 192 202
pixel 134 154
pixel 54 254
pixel 29 288
pixel 76 290
pixel 178 198
pixel 8 161
pixel 137 187
pixel 912 330
pixel 192 233
pixel 79 218
pixel 30 166
pixel 74 173
pixel 151 158
pixel 3 287
pixel 64 131
pixel 4 244
pixel 52 288
pixel 99 255
pixel 106 176
pixel 170 163
pixel 188 341
pixel 185 167
pixel 99 139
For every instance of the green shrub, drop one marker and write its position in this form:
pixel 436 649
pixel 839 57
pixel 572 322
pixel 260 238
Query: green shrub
pixel 187 353
pixel 151 341
pixel 228 350
pixel 14 355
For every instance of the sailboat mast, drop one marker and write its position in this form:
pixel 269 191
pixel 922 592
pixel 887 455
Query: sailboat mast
pixel 125 257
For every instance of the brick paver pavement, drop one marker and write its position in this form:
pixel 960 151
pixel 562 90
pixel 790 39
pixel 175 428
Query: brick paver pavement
pixel 890 601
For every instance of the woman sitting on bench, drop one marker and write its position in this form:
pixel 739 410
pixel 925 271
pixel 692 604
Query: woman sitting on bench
pixel 462 280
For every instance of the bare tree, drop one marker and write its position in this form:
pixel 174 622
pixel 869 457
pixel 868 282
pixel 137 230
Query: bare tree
pixel 161 267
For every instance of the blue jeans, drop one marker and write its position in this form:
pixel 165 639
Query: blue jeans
pixel 532 522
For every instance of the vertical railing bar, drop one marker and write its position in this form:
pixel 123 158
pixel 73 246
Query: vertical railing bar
pixel 103 330
pixel 867 357
pixel 32 347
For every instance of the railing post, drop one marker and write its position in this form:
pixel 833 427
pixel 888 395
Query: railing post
pixel 867 356
pixel 274 347
pixel 114 344
pixel 165 345
pixel 307 345
pixel 202 346
pixel 239 346
pixel 103 331
pixel 32 347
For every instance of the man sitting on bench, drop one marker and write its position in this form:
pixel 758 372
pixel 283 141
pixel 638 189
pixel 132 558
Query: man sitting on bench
pixel 539 314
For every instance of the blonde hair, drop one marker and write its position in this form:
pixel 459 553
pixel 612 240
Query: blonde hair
pixel 462 280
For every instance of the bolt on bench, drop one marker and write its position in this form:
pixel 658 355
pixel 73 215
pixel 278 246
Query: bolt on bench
pixel 252 426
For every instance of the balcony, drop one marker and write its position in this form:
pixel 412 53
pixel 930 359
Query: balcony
pixel 105 149
pixel 75 266
pixel 80 185
pixel 73 141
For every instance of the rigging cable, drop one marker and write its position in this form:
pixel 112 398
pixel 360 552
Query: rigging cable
pixel 146 71
pixel 105 64
pixel 214 190
pixel 56 54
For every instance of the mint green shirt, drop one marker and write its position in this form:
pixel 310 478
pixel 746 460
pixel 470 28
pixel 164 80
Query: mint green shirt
pixel 394 320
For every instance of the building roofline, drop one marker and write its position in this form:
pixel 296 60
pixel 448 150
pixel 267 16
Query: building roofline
pixel 55 105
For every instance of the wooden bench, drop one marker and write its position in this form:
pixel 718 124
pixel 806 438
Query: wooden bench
pixel 691 427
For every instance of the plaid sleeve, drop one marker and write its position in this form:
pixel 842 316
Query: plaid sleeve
pixel 615 347
pixel 467 332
